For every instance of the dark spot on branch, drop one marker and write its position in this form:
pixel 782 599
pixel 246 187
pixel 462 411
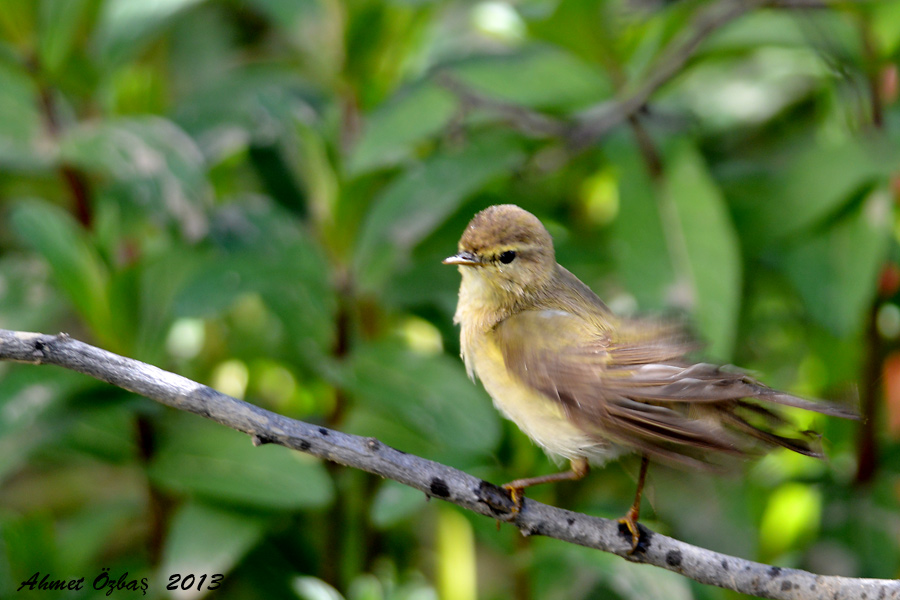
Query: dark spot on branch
pixel 495 498
pixel 305 445
pixel 439 488
pixel 570 521
pixel 38 352
pixel 774 572
pixel 786 585
pixel 373 444
pixel 725 564
pixel 644 537
pixel 673 558
pixel 323 431
pixel 259 440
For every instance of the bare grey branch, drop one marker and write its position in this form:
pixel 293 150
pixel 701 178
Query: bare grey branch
pixel 435 479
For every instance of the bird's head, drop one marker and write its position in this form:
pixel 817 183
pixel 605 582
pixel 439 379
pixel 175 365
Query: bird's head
pixel 507 250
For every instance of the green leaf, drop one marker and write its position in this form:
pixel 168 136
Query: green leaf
pixel 638 238
pixel 420 199
pixel 209 460
pixel 59 21
pixel 819 182
pixel 28 402
pixel 419 402
pixel 205 539
pixel 836 270
pixel 262 101
pixel 395 502
pixel 29 544
pixel 267 253
pixel 125 26
pixel 76 265
pixel 541 77
pixel 25 304
pixel 390 133
pixel 162 167
pixel 705 243
pixel 21 125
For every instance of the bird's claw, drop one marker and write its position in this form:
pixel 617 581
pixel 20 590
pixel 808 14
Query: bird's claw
pixel 628 525
pixel 517 495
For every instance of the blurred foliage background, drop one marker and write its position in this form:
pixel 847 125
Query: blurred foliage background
pixel 257 194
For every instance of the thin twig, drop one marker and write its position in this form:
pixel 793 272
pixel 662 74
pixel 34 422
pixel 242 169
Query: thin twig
pixel 435 479
pixel 528 121
pixel 597 121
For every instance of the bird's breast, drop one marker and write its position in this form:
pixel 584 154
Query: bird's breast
pixel 541 418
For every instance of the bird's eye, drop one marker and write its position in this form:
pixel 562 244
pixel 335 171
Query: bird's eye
pixel 507 257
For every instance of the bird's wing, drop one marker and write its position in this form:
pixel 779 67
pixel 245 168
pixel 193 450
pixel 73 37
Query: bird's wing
pixel 632 384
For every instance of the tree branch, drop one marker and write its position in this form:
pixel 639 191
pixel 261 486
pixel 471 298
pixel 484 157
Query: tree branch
pixel 435 479
pixel 595 122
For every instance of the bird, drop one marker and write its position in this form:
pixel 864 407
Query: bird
pixel 589 386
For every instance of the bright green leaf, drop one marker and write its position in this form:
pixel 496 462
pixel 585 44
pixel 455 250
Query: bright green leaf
pixel 793 512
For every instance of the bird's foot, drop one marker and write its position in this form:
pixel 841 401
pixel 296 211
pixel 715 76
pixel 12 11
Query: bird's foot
pixel 517 495
pixel 629 525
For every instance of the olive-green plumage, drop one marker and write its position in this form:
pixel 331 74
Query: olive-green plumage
pixel 586 384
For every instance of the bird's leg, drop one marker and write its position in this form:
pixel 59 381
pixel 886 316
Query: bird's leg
pixel 629 521
pixel 579 468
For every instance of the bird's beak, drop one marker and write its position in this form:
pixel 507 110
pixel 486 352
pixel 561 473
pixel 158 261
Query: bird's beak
pixel 463 257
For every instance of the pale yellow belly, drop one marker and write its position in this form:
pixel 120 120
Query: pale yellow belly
pixel 540 418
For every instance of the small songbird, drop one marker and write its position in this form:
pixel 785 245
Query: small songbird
pixel 588 386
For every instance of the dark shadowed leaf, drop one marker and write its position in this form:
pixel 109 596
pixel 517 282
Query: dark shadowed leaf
pixel 59 21
pixel 836 270
pixel 161 166
pixel 639 241
pixel 205 539
pixel 541 77
pixel 819 182
pixel 264 252
pixel 419 199
pixel 394 128
pixel 212 461
pixel 20 122
pixel 76 265
pixel 703 242
pixel 125 26
pixel 395 502
pixel 427 398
